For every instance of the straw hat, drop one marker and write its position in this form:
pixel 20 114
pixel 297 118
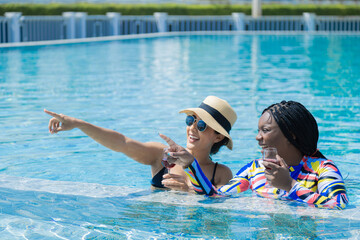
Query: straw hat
pixel 216 113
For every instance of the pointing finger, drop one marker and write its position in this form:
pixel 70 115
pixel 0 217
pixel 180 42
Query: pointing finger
pixel 55 115
pixel 168 140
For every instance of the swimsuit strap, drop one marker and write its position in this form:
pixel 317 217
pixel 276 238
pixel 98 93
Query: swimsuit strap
pixel 213 176
pixel 156 180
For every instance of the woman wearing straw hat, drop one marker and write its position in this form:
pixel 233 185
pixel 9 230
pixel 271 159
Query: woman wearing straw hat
pixel 298 171
pixel 208 128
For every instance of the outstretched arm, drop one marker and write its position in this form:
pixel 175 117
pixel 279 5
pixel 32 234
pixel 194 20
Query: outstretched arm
pixel 145 153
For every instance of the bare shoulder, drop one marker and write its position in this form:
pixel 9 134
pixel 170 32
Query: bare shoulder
pixel 223 174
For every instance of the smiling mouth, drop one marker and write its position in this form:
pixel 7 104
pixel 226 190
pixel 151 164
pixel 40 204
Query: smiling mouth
pixel 193 138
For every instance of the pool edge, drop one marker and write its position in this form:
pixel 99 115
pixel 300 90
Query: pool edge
pixel 167 34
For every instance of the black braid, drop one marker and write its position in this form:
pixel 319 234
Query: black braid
pixel 298 125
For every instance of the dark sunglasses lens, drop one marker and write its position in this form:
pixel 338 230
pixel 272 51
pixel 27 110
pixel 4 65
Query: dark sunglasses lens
pixel 189 120
pixel 201 125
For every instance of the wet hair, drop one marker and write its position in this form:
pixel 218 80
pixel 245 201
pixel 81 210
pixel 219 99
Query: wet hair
pixel 298 125
pixel 216 146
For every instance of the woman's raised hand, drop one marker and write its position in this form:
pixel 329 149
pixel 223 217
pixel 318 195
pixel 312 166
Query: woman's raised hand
pixel 61 122
pixel 278 174
pixel 177 154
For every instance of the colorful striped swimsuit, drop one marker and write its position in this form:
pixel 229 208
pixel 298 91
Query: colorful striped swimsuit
pixel 319 182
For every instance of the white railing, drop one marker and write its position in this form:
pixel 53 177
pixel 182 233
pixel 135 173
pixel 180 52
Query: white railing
pixel 41 28
pixel 3 30
pixel 97 26
pixel 200 23
pixel 137 25
pixel 275 23
pixel 17 28
pixel 330 23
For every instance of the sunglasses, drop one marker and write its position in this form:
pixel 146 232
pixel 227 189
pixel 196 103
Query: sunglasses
pixel 201 125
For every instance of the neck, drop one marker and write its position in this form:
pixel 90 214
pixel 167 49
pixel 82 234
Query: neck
pixel 202 157
pixel 293 158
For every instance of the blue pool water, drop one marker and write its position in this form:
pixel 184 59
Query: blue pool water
pixel 66 186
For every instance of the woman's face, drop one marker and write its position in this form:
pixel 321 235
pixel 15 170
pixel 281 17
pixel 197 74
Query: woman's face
pixel 201 141
pixel 270 135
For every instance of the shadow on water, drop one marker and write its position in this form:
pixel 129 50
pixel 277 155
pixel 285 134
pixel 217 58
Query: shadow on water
pixel 121 216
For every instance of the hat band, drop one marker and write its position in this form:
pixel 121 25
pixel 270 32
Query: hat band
pixel 217 116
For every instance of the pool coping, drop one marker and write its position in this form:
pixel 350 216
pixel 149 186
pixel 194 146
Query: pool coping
pixel 167 34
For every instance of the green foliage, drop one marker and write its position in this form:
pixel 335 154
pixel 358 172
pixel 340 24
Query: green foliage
pixel 329 10
pixel 220 7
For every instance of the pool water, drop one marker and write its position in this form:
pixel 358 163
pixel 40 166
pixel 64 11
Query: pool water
pixel 66 186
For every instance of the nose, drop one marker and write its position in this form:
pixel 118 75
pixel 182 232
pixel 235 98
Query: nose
pixel 193 126
pixel 258 137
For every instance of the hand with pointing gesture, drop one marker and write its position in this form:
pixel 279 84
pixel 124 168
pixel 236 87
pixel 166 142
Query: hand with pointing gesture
pixel 177 154
pixel 61 122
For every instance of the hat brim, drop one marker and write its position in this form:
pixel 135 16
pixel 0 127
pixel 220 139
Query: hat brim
pixel 209 120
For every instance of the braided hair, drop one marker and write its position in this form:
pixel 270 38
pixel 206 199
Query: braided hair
pixel 298 125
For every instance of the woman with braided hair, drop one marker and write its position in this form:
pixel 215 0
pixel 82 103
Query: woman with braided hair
pixel 302 172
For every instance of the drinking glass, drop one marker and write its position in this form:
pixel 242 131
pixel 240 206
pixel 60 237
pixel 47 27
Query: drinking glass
pixel 165 162
pixel 269 154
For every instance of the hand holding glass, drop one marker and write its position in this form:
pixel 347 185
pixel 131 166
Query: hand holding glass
pixel 165 162
pixel 269 154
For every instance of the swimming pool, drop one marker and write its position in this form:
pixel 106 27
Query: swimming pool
pixel 66 186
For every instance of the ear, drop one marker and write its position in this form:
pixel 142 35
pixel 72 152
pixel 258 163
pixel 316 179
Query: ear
pixel 293 137
pixel 218 138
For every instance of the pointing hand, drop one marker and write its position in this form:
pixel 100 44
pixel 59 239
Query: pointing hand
pixel 61 122
pixel 177 154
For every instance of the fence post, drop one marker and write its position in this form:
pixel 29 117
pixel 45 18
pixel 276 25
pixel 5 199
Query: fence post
pixel 80 24
pixel 14 26
pixel 256 8
pixel 69 22
pixel 161 18
pixel 239 21
pixel 309 19
pixel 114 19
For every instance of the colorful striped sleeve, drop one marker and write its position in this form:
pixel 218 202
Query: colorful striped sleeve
pixel 331 192
pixel 239 183
pixel 200 182
pixel 202 185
